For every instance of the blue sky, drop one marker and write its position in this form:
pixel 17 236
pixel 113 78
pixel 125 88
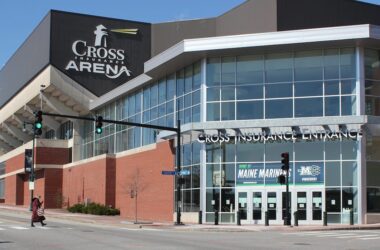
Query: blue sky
pixel 20 17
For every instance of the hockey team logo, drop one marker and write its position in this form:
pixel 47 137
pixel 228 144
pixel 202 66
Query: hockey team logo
pixel 100 58
pixel 312 170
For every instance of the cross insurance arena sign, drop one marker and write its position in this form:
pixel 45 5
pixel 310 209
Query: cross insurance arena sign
pixel 98 53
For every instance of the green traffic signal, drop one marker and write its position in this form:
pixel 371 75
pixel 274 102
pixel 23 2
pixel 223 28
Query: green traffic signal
pixel 38 125
pixel 99 130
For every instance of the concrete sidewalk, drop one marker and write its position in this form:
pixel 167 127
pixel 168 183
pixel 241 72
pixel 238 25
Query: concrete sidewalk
pixel 62 215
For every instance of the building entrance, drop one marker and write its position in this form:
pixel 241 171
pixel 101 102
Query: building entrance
pixel 253 203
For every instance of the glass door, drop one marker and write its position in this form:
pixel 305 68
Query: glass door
pixel 316 199
pixel 302 206
pixel 272 205
pixel 257 207
pixel 243 206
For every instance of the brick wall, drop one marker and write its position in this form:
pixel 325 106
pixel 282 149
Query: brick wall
pixel 53 188
pixel 58 156
pixel 155 197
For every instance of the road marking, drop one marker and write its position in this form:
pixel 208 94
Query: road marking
pixel 334 234
pixel 19 228
pixel 357 236
pixel 369 238
pixel 1 229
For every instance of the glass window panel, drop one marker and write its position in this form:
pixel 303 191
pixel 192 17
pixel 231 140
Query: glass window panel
pixel 170 121
pixel 309 151
pixel 197 75
pixel 196 113
pixel 373 200
pixel 132 105
pixel 332 150
pixel 162 91
pixel 331 63
pixel 213 153
pixel 213 94
pixel 154 95
pixel 308 88
pixel 228 200
pixel 196 147
pixel 274 150
pixel 350 199
pixel 249 92
pixel 228 70
pixel 213 178
pixel 228 111
pixel 228 175
pixel 169 107
pixel 195 176
pixel 278 90
pixel 349 149
pixel 249 69
pixel 146 98
pixel 228 152
pixel 181 103
pixel 187 154
pixel 188 78
pixel 349 173
pixel 161 110
pixel 170 87
pixel 279 67
pixel 332 87
pixel 373 173
pixel 186 200
pixel 373 149
pixel 332 172
pixel 332 106
pixel 307 107
pixel 278 108
pixel 348 87
pixel 212 199
pixel 213 111
pixel 308 65
pixel 188 100
pixel 196 97
pixel 347 63
pixel 213 72
pixel 249 152
pixel 187 115
pixel 180 82
pixel 348 105
pixel 153 113
pixel 372 64
pixel 228 93
pixel 250 110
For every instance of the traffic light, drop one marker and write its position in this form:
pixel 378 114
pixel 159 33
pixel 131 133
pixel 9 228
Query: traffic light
pixel 38 123
pixel 281 179
pixel 99 125
pixel 285 161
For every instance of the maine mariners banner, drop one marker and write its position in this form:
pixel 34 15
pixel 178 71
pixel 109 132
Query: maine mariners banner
pixel 256 174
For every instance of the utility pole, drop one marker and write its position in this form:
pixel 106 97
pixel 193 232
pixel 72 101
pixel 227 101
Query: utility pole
pixel 285 180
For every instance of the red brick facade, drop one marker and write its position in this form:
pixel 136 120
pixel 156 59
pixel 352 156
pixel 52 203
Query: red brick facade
pixel 104 179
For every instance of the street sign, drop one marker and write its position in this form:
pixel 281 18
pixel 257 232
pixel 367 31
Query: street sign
pixel 31 185
pixel 184 172
pixel 168 172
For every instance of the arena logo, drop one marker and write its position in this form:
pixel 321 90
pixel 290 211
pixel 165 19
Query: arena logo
pixel 312 170
pixel 100 59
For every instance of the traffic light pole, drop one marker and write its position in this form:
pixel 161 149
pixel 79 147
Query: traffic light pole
pixel 177 130
pixel 287 212
pixel 31 177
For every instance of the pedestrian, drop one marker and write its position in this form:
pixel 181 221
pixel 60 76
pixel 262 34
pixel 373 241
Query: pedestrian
pixel 37 211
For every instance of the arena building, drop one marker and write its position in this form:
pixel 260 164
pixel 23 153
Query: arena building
pixel 267 77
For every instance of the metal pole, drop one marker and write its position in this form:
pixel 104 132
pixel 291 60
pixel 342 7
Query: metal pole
pixel 135 206
pixel 31 177
pixel 287 218
pixel 178 170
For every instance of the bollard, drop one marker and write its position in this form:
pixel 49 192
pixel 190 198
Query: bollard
pixel 351 217
pixel 216 217
pixel 266 219
pixel 296 218
pixel 200 217
pixel 238 222
pixel 324 218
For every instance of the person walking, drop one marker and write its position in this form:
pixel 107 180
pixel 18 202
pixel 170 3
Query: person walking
pixel 37 212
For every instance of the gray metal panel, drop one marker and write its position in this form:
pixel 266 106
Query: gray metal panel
pixel 253 16
pixel 165 35
pixel 29 60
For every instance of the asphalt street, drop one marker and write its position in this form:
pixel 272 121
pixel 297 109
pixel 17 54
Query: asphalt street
pixel 16 233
